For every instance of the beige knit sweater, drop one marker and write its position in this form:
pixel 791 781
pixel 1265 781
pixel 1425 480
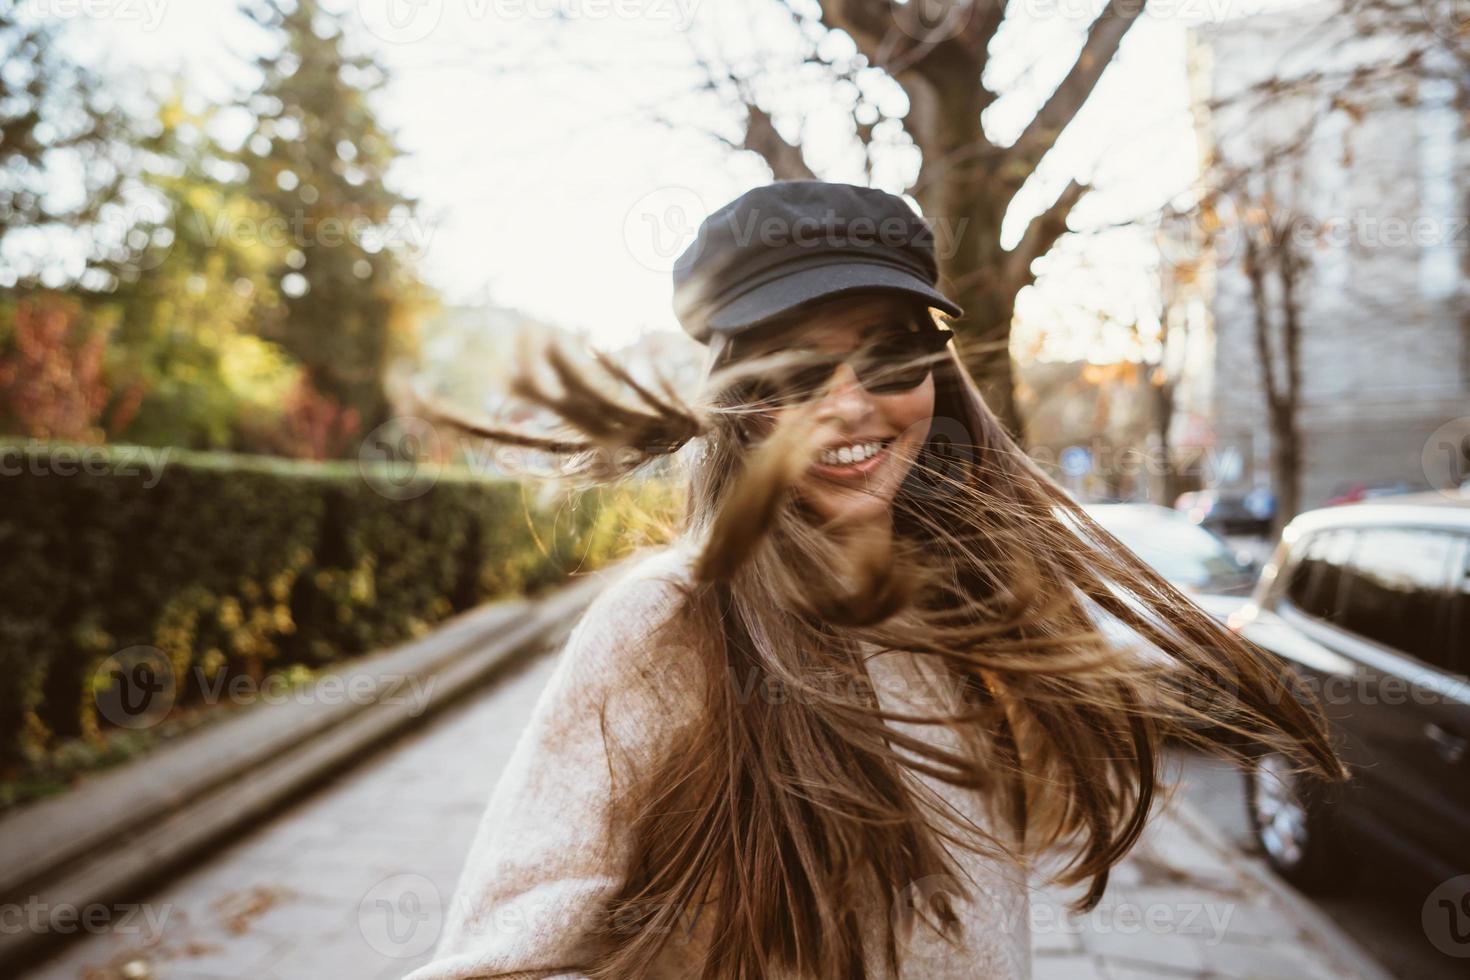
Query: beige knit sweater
pixel 550 852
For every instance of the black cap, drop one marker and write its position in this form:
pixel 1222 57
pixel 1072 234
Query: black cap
pixel 788 243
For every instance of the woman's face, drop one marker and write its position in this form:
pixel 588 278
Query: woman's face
pixel 869 440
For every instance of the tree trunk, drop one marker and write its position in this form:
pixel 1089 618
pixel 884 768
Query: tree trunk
pixel 1281 383
pixel 1168 484
pixel 985 347
pixel 965 203
pixel 1286 467
pixel 1287 452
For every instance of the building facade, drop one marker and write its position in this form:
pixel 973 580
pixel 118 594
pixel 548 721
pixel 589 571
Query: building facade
pixel 1358 188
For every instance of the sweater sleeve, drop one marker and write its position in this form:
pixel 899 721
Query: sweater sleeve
pixel 552 847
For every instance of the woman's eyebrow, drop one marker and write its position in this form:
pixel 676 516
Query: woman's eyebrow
pixel 875 326
pixel 902 321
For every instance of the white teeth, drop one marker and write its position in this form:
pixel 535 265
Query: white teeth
pixel 847 455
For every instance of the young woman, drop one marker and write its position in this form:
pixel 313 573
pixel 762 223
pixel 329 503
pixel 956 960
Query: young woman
pixel 832 730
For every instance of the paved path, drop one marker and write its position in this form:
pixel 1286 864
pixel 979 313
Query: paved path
pixel 298 898
pixel 351 884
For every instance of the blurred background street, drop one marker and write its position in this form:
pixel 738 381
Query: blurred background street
pixel 1214 258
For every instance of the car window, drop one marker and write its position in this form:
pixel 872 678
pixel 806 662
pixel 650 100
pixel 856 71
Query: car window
pixel 1180 551
pixel 1396 590
pixel 1314 583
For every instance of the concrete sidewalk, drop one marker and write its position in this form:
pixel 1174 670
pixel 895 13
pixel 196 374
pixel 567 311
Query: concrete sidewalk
pixel 353 883
pixel 1187 903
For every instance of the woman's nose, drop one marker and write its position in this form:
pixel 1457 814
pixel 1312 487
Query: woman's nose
pixel 845 399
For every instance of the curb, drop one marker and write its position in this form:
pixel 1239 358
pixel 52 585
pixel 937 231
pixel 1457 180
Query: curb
pixel 171 805
pixel 1348 958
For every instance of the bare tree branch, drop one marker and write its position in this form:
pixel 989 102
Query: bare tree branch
pixel 1040 135
pixel 761 136
pixel 1041 234
pixel 781 155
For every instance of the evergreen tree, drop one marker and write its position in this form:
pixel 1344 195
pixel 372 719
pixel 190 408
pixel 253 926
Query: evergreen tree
pixel 318 157
pixel 50 108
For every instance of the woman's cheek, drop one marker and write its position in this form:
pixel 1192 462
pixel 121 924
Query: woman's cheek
pixel 911 414
pixel 913 408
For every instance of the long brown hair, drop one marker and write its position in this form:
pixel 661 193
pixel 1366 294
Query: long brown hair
pixel 778 808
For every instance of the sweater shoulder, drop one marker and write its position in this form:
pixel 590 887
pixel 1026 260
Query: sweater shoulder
pixel 630 650
pixel 641 596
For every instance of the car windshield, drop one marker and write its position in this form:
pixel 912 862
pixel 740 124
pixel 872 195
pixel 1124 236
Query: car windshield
pixel 1182 552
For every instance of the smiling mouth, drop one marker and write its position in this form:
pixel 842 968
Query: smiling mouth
pixel 852 459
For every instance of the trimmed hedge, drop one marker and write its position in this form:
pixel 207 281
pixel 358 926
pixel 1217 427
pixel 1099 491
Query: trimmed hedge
pixel 241 564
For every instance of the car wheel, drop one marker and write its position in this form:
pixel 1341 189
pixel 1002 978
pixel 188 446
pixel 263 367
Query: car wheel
pixel 1291 819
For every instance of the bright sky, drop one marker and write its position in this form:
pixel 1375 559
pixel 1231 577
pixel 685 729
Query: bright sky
pixel 548 182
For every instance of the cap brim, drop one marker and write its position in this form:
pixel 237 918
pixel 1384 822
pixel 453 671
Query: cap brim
pixel 805 285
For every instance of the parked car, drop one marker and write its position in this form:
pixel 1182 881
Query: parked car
pixel 1229 511
pixel 1198 561
pixel 1356 492
pixel 1369 604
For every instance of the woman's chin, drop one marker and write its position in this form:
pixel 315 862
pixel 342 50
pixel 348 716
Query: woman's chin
pixel 842 506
